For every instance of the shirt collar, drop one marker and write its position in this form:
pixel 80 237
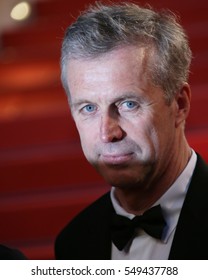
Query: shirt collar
pixel 171 201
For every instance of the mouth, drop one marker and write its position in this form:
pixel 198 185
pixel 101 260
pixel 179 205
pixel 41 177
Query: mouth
pixel 116 159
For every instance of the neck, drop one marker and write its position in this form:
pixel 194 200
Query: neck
pixel 138 199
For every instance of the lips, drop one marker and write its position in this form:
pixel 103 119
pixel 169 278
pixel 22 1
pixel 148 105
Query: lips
pixel 116 159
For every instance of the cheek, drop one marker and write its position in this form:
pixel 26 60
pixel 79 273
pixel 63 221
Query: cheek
pixel 88 140
pixel 143 132
pixel 163 136
pixel 85 139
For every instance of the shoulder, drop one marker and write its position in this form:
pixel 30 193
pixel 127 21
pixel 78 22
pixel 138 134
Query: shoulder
pixel 7 253
pixel 198 188
pixel 200 174
pixel 201 165
pixel 90 214
pixel 190 242
pixel 88 224
pixel 196 201
pixel 101 206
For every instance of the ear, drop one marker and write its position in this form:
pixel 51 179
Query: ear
pixel 182 99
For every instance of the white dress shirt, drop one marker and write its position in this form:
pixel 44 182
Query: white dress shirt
pixel 145 247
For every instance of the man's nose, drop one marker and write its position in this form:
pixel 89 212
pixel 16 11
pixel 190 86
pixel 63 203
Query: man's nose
pixel 110 129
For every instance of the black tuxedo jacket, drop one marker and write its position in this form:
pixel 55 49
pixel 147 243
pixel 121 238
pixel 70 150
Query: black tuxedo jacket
pixel 88 237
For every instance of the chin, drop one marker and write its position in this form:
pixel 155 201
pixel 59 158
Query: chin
pixel 125 174
pixel 123 178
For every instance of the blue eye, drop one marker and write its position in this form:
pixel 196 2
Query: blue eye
pixel 130 104
pixel 89 108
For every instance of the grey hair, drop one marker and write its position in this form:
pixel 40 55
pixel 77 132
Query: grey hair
pixel 102 28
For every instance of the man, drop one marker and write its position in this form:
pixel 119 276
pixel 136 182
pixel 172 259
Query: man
pixel 125 70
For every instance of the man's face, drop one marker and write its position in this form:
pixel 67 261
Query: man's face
pixel 126 128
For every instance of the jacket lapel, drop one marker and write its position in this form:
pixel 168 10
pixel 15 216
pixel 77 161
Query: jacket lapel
pixel 190 240
pixel 99 241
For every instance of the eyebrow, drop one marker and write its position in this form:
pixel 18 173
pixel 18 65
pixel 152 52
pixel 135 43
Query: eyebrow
pixel 80 102
pixel 128 95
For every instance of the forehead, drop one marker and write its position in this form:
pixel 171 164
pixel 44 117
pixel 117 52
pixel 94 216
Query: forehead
pixel 117 64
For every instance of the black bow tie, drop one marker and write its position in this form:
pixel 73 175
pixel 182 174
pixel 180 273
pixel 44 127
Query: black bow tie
pixel 123 229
